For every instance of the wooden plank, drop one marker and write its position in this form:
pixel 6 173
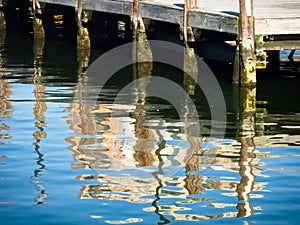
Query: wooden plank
pixel 277 26
pixel 172 14
pixel 213 21
pixel 281 45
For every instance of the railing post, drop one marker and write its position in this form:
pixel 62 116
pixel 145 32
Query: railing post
pixel 246 44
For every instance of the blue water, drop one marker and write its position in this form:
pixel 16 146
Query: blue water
pixel 50 173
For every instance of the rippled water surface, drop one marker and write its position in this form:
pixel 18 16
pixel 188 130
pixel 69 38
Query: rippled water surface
pixel 64 160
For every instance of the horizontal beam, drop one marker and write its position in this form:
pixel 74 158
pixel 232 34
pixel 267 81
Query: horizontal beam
pixel 281 45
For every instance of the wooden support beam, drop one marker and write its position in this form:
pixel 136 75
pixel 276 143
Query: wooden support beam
pixel 246 44
pixel 245 109
pixel 135 14
pixel 2 18
pixel 188 34
pixel 83 37
pixel 138 26
pixel 190 70
pixel 38 28
pixel 236 67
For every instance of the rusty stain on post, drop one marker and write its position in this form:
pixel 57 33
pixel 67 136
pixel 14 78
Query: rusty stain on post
pixel 246 42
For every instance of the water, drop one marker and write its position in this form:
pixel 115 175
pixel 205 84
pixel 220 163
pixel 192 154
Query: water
pixel 64 161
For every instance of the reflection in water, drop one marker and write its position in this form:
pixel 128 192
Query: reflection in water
pixel 247 111
pixel 39 110
pixel 130 154
pixel 123 153
pixel 144 149
pixel 6 108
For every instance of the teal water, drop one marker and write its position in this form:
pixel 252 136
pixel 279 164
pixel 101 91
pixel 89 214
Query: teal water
pixel 67 162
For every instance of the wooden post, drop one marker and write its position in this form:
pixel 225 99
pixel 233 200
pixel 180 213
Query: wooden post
pixel 38 29
pixel 83 37
pixel 135 14
pixel 2 18
pixel 190 70
pixel 187 31
pixel 138 26
pixel 246 42
pixel 236 67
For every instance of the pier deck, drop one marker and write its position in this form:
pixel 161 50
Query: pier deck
pixel 272 17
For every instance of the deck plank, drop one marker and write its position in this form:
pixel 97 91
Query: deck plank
pixel 272 17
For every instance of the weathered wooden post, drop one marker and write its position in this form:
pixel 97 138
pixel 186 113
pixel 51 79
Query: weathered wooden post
pixel 135 14
pixel 83 37
pixel 190 61
pixel 246 44
pixel 38 29
pixel 190 70
pixel 2 18
pixel 187 31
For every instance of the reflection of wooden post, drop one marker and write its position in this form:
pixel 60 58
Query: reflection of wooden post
pixel 192 158
pixel 38 29
pixel 83 37
pixel 246 39
pixel 2 18
pixel 245 187
pixel 247 110
pixel 39 110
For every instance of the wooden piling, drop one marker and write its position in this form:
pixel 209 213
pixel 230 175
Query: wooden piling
pixel 83 37
pixel 247 111
pixel 188 34
pixel 236 67
pixel 190 70
pixel 135 14
pixel 246 44
pixel 38 28
pixel 2 18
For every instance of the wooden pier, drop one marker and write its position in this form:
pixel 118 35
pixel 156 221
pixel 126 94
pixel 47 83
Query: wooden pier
pixel 257 26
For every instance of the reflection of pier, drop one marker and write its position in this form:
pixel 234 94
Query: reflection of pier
pixel 130 155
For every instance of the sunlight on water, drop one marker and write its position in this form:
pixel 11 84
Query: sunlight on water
pixel 65 161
